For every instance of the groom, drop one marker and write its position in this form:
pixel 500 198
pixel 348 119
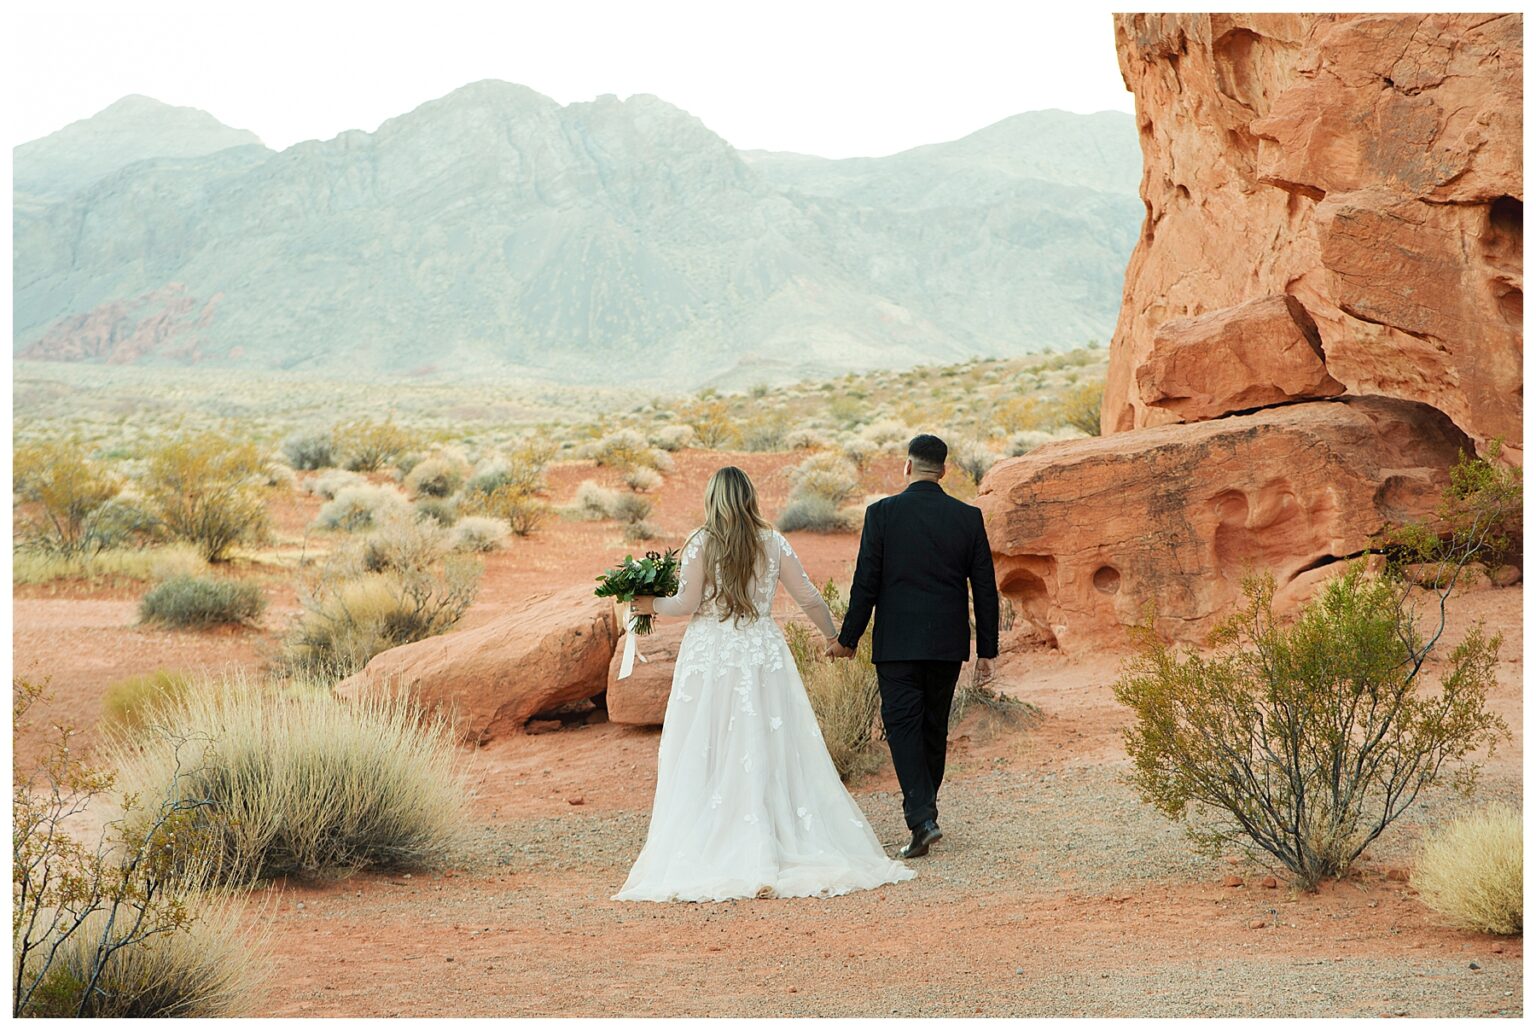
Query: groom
pixel 918 551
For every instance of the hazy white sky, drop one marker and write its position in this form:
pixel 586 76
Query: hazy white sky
pixel 836 78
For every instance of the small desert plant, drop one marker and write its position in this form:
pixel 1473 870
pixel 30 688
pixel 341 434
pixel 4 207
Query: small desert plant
pixel 436 477
pixel 404 541
pixel 630 508
pixel 817 515
pixel 348 621
pixel 129 703
pixel 443 510
pixel 642 479
pixel 194 602
pixel 304 784
pixel 1472 871
pixel 313 450
pixel 593 501
pixel 113 929
pixel 67 488
pixel 1025 441
pixel 640 530
pixel 365 445
pixel 673 438
pixel 825 475
pixel 973 458
pixel 207 489
pixel 479 533
pixel 802 439
pixel 1080 407
pixel 845 694
pixel 332 481
pixel 623 450
pixel 360 506
pixel 712 423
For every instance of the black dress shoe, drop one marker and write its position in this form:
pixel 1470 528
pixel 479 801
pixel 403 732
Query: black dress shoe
pixel 923 835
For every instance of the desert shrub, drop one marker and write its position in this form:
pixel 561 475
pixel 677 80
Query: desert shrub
pixel 194 602
pixel 858 452
pixel 359 507
pixel 844 694
pixel 630 508
pixel 886 433
pixel 673 438
pixel 443 510
pixel 479 533
pixel 713 425
pixel 120 523
pixel 802 439
pixel 1472 871
pixel 593 501
pixel 348 620
pixel 114 929
pixel 815 514
pixel 522 512
pixel 1025 441
pixel 1079 407
pixel 1018 414
pixel 764 432
pixel 623 449
pixel 277 476
pixel 973 458
pixel 207 489
pixel 1304 741
pixel 365 445
pixel 642 479
pixel 130 702
pixel 404 541
pixel 331 482
pixel 67 488
pixel 825 475
pixel 640 530
pixel 436 477
pixel 304 784
pixel 312 450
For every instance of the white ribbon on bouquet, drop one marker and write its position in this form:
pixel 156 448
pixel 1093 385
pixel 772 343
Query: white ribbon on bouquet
pixel 631 649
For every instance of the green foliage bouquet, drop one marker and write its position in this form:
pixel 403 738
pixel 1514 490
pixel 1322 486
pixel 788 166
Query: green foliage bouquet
pixel 655 575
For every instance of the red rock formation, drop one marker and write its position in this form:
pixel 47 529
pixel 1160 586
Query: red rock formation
pixel 1366 166
pixel 640 699
pixel 494 678
pixel 1086 533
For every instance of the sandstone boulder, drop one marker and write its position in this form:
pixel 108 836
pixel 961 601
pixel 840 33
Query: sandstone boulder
pixel 552 649
pixel 1252 355
pixel 1368 166
pixel 1085 533
pixel 641 698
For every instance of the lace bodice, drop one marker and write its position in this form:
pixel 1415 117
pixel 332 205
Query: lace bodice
pixel 781 565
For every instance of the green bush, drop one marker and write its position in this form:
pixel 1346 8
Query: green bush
pixel 304 784
pixel 314 450
pixel 1304 741
pixel 66 486
pixel 130 703
pixel 194 602
pixel 444 511
pixel 1080 407
pixel 365 445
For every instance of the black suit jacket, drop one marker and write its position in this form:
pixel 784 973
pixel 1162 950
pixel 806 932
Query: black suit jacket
pixel 918 551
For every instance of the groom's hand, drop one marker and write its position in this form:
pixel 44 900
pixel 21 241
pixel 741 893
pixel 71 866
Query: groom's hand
pixel 984 670
pixel 838 650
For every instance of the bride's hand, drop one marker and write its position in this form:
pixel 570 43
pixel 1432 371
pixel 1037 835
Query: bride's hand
pixel 644 604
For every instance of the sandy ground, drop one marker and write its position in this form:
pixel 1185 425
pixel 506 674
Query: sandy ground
pixel 1055 890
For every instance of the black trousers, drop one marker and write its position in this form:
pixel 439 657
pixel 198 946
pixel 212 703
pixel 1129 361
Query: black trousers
pixel 914 705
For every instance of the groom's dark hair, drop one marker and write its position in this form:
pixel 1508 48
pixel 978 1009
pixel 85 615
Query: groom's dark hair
pixel 927 453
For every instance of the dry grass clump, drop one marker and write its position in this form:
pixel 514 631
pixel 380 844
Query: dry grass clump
pixel 332 481
pixel 347 620
pixel 593 501
pixel 404 541
pixel 360 506
pixel 35 567
pixel 196 602
pixel 818 515
pixel 673 438
pixel 819 486
pixel 1080 407
pixel 1472 871
pixel 443 510
pixel 302 784
pixel 845 694
pixel 642 479
pixel 366 445
pixel 129 702
pixel 630 508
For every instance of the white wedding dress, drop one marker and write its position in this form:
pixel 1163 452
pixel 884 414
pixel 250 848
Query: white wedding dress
pixel 748 803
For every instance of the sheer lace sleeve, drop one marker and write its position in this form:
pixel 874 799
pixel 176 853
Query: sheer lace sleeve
pixel 792 575
pixel 690 583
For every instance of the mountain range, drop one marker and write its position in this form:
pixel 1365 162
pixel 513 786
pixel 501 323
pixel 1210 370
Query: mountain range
pixel 494 231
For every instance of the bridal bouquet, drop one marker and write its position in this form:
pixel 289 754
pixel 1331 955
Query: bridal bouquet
pixel 654 575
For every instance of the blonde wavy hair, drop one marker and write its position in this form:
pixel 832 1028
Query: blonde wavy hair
pixel 732 542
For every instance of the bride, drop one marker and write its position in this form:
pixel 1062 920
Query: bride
pixel 748 803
